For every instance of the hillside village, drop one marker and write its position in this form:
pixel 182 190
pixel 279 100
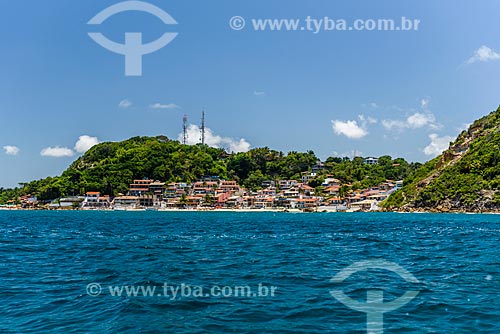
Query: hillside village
pixel 213 193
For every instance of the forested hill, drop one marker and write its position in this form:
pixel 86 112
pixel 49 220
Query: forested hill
pixel 466 177
pixel 111 167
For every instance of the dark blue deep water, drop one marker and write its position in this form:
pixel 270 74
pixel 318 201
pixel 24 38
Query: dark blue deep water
pixel 48 259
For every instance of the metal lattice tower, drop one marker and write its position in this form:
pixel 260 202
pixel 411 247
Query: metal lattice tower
pixel 184 129
pixel 203 127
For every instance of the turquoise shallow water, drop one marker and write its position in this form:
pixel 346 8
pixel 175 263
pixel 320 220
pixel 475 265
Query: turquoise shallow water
pixel 49 258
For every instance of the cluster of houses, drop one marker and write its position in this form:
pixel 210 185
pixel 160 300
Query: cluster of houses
pixel 213 193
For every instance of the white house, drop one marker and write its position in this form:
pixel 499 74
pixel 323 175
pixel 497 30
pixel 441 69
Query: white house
pixel 371 161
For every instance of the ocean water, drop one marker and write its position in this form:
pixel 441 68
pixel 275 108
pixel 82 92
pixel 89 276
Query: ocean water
pixel 58 272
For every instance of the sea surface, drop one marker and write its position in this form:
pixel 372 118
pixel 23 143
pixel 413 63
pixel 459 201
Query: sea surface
pixel 58 272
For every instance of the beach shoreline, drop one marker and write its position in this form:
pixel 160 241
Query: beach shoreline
pixel 266 210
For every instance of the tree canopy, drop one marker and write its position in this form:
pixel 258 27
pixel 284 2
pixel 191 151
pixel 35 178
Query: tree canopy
pixel 111 167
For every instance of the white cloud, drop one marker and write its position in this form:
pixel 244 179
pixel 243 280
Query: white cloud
pixel 366 120
pixel 164 106
pixel 437 145
pixel 351 154
pixel 85 143
pixel 414 121
pixel 373 105
pixel 463 126
pixel 418 120
pixel 483 54
pixel 259 93
pixel 350 129
pixel 213 140
pixel 57 152
pixel 11 150
pixel 424 103
pixel 390 124
pixel 237 146
pixel 124 104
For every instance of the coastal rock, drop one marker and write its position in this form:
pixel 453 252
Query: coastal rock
pixel 464 178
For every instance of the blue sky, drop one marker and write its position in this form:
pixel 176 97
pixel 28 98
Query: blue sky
pixel 402 93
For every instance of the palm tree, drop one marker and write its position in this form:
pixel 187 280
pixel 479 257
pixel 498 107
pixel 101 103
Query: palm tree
pixel 343 190
pixel 183 200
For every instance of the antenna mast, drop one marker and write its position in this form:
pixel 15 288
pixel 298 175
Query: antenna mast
pixel 184 129
pixel 203 127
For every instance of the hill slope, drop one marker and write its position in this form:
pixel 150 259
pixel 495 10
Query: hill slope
pixel 110 168
pixel 466 177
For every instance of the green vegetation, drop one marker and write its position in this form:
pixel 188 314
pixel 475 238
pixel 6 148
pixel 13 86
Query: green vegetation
pixel 362 175
pixel 110 167
pixel 465 177
pixel 7 195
